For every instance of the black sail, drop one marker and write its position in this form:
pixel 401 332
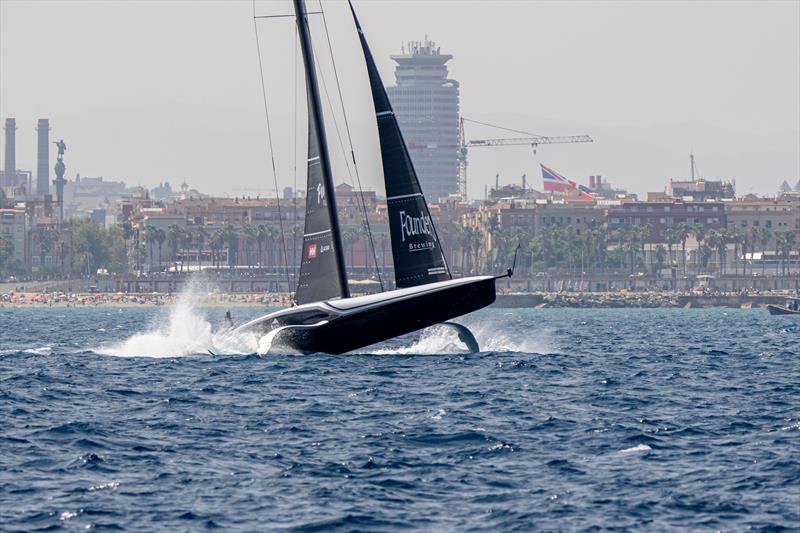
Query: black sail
pixel 417 253
pixel 322 270
pixel 319 279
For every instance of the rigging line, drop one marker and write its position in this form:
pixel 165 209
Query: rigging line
pixel 295 247
pixel 352 152
pixel 500 127
pixel 335 122
pixel 271 149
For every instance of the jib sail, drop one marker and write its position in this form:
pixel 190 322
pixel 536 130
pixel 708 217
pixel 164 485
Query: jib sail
pixel 417 252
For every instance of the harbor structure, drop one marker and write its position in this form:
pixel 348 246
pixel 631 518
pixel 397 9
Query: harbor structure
pixel 426 102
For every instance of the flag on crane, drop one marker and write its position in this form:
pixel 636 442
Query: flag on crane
pixel 555 182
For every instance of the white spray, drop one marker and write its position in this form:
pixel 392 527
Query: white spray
pixel 184 331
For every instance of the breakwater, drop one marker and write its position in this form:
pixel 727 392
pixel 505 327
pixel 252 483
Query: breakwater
pixel 636 300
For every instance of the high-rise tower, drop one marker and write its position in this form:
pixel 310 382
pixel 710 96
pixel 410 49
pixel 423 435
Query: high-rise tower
pixel 43 157
pixel 10 167
pixel 426 104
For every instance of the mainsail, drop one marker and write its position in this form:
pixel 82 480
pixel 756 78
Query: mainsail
pixel 322 273
pixel 417 253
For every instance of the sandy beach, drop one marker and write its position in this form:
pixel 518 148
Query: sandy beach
pixel 63 300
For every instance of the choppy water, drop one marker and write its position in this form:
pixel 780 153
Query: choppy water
pixel 571 420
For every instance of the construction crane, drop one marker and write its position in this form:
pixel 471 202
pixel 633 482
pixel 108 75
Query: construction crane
pixel 531 139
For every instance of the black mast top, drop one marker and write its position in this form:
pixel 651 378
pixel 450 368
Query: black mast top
pixel 315 112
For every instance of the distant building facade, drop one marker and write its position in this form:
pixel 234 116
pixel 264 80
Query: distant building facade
pixel 427 106
pixel 701 190
pixel 663 215
pixel 85 195
pixel 13 226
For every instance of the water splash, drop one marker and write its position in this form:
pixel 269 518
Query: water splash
pixel 494 334
pixel 184 331
pixel 637 448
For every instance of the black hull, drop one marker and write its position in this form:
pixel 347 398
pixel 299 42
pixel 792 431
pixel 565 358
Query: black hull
pixel 393 319
pixel 351 325
pixel 780 310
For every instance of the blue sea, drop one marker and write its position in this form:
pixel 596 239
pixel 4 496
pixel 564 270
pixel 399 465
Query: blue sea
pixel 118 419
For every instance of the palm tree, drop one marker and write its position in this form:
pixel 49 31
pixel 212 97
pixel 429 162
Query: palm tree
pixel 185 241
pixel 682 231
pixel 230 236
pixel 671 235
pixel 643 235
pixel 755 238
pixel 765 237
pixel 215 243
pixel 200 240
pixel 127 235
pixel 716 240
pixel 150 238
pixel 699 231
pixel 785 241
pixel 704 254
pixel 160 236
pixel 739 241
pixel 250 237
pixel 173 241
pixel 261 236
pixel 661 254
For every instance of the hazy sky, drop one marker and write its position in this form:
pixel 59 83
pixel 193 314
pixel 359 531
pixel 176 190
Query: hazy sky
pixel 149 91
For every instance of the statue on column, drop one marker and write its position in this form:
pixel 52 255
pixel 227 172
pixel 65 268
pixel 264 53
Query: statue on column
pixel 60 181
pixel 61 148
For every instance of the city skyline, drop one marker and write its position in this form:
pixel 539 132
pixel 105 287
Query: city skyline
pixel 193 110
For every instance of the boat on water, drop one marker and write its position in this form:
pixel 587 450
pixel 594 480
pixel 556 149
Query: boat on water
pixel 325 318
pixel 792 307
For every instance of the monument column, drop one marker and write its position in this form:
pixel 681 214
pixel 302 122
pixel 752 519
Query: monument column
pixel 59 182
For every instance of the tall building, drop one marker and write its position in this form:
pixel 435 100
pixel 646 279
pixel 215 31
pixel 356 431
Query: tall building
pixel 43 157
pixel 426 104
pixel 10 167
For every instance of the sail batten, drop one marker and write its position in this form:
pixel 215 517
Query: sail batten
pixel 416 250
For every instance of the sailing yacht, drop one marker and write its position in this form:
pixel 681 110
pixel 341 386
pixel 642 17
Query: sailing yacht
pixel 326 318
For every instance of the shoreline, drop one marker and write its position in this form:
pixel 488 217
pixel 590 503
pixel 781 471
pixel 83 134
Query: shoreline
pixel 584 300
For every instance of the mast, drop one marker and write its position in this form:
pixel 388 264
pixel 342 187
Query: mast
pixel 315 109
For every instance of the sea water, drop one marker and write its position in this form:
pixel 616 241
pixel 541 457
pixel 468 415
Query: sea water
pixel 567 420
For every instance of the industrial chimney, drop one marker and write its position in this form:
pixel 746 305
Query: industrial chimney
pixel 10 169
pixel 43 158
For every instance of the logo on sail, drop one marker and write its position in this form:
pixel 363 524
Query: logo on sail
pixel 320 193
pixel 312 251
pixel 411 226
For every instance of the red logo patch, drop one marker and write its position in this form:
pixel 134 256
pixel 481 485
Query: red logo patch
pixel 312 251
